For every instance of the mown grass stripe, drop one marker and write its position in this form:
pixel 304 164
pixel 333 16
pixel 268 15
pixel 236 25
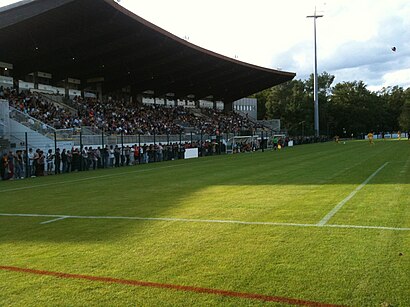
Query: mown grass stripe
pixel 328 216
pixel 138 283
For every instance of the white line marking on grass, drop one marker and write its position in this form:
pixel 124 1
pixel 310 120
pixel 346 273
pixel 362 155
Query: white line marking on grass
pixel 54 220
pixel 344 201
pixel 169 219
pixel 366 227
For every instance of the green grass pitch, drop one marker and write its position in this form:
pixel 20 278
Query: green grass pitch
pixel 248 223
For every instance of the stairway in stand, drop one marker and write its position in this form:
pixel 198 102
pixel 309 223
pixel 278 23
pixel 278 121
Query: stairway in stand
pixel 4 145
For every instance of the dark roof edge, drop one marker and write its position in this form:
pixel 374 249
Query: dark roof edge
pixel 14 5
pixel 27 9
pixel 139 19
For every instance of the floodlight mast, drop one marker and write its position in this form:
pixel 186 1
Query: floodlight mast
pixel 315 85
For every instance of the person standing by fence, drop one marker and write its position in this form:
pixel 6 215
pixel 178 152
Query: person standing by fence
pixel 57 161
pixel 49 160
pixel 31 169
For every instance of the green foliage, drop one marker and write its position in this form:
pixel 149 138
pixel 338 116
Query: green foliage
pixel 345 108
pixel 404 118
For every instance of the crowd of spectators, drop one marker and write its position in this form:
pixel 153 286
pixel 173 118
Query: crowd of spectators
pixel 217 121
pixel 115 117
pixel 122 116
pixel 21 164
pixel 47 112
pixel 299 140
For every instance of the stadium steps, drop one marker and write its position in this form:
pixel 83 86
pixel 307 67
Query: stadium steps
pixel 4 145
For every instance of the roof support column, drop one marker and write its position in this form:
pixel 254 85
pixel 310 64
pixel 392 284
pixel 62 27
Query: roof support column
pixel 136 97
pixel 35 79
pixel 99 87
pixel 228 106
pixel 66 88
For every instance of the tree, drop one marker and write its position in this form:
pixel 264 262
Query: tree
pixel 404 119
pixel 393 101
pixel 292 103
pixel 348 106
pixel 289 103
pixel 355 109
pixel 325 81
pixel 262 98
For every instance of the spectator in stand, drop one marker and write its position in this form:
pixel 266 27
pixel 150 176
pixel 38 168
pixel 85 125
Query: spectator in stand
pixel 110 116
pixel 76 160
pixel 31 168
pixel 40 163
pixel 57 161
pixel 106 156
pixel 136 154
pixel 117 153
pixel 18 165
pixel 64 160
pixel 69 161
pixel 127 153
pixel 112 156
pixel 49 160
pixel 4 167
pixel 10 158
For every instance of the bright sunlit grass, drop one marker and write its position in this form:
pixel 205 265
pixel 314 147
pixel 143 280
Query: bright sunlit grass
pixel 205 243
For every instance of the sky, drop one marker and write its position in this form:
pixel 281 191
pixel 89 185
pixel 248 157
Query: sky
pixel 354 37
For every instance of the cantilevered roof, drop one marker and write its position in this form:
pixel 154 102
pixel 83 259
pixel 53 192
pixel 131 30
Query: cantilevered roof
pixel 99 38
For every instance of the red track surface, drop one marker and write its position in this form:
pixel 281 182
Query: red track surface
pixel 259 297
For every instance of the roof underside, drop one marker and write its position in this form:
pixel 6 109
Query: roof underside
pixel 98 38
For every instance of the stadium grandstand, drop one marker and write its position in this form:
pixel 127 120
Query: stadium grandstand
pixel 71 69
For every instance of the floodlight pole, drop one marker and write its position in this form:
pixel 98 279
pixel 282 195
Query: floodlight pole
pixel 315 88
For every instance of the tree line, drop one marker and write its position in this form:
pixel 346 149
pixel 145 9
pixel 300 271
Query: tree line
pixel 345 109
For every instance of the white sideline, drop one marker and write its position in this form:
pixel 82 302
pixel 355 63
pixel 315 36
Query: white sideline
pixel 328 216
pixel 61 217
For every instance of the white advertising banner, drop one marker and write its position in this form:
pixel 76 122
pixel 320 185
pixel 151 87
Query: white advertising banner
pixel 191 153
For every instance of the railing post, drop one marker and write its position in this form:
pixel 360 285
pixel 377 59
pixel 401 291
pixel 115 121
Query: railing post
pixel 139 147
pixel 219 144
pixel 155 151
pixel 122 148
pixel 202 148
pixel 55 153
pixel 27 159
pixel 81 150
pixel 102 152
pixel 180 146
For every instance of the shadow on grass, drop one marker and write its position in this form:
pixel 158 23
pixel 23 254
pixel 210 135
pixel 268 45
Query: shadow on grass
pixel 157 189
